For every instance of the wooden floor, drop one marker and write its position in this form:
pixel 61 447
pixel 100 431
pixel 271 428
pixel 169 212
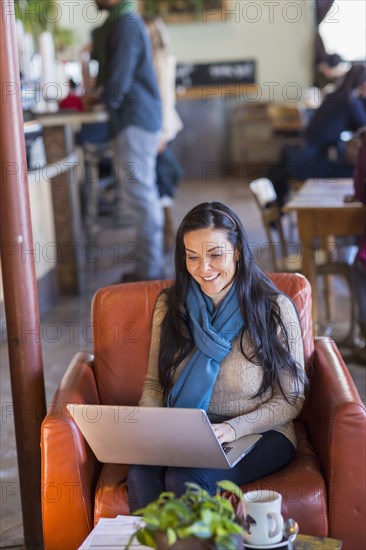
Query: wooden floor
pixel 108 270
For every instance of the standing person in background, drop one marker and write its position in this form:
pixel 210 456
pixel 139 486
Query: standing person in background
pixel 130 92
pixel 168 170
pixel 359 268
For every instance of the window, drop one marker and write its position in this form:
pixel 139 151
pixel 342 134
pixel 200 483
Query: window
pixel 344 29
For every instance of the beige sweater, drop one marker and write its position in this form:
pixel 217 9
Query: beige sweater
pixel 238 381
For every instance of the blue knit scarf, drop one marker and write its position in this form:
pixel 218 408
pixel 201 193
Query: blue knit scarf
pixel 213 331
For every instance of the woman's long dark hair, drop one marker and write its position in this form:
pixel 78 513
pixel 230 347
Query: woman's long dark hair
pixel 257 299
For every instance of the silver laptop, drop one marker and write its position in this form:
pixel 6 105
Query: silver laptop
pixel 156 436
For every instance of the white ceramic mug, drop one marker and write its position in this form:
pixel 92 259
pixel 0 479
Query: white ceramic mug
pixel 263 522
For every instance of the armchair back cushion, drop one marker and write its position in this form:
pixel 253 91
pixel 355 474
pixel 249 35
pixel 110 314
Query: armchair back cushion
pixel 121 319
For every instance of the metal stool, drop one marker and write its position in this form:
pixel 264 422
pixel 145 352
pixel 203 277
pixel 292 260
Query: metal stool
pixel 93 154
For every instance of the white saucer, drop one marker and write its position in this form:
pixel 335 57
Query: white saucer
pixel 281 544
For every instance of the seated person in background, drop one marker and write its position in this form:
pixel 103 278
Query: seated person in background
pixel 328 68
pixel 329 71
pixel 359 268
pixel 343 109
pixel 225 340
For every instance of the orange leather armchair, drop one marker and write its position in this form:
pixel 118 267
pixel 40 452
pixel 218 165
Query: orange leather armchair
pixel 323 487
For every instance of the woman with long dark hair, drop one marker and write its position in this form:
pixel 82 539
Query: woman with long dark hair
pixel 226 340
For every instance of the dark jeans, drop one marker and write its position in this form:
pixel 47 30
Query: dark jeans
pixel 145 483
pixel 301 163
pixel 312 162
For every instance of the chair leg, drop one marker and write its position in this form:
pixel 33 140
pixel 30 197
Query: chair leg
pixel 169 230
pixel 328 298
pixel 91 199
pixel 292 227
pixel 350 338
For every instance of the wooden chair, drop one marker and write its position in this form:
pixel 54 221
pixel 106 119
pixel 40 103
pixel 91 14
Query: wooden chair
pixel 340 263
pixel 287 118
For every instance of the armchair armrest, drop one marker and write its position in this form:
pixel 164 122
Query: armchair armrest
pixel 337 427
pixel 69 467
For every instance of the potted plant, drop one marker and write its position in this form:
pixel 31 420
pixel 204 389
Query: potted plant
pixel 183 11
pixel 40 16
pixel 194 521
pixel 166 7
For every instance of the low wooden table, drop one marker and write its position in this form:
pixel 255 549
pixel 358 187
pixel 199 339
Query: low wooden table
pixel 114 534
pixel 305 542
pixel 322 212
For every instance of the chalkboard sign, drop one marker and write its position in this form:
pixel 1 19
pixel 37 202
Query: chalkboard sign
pixel 191 75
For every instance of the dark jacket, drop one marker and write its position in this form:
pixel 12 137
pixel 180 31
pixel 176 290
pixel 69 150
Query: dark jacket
pixel 359 180
pixel 130 87
pixel 337 113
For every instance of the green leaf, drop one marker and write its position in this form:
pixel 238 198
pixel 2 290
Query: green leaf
pixel 227 485
pixel 199 530
pixel 145 537
pixel 226 508
pixel 168 519
pixel 166 495
pixel 151 520
pixel 171 535
pixel 207 516
pixel 196 490
pixel 150 509
pixel 237 529
pixel 130 541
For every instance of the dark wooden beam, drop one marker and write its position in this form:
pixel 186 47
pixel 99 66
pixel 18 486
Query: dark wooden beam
pixel 19 281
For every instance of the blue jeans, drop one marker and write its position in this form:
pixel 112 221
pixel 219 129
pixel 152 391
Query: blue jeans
pixel 145 483
pixel 135 152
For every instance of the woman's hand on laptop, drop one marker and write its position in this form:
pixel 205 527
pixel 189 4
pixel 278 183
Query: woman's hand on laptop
pixel 224 432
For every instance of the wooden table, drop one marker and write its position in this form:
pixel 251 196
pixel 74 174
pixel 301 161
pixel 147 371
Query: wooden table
pixel 114 534
pixel 305 542
pixel 322 212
